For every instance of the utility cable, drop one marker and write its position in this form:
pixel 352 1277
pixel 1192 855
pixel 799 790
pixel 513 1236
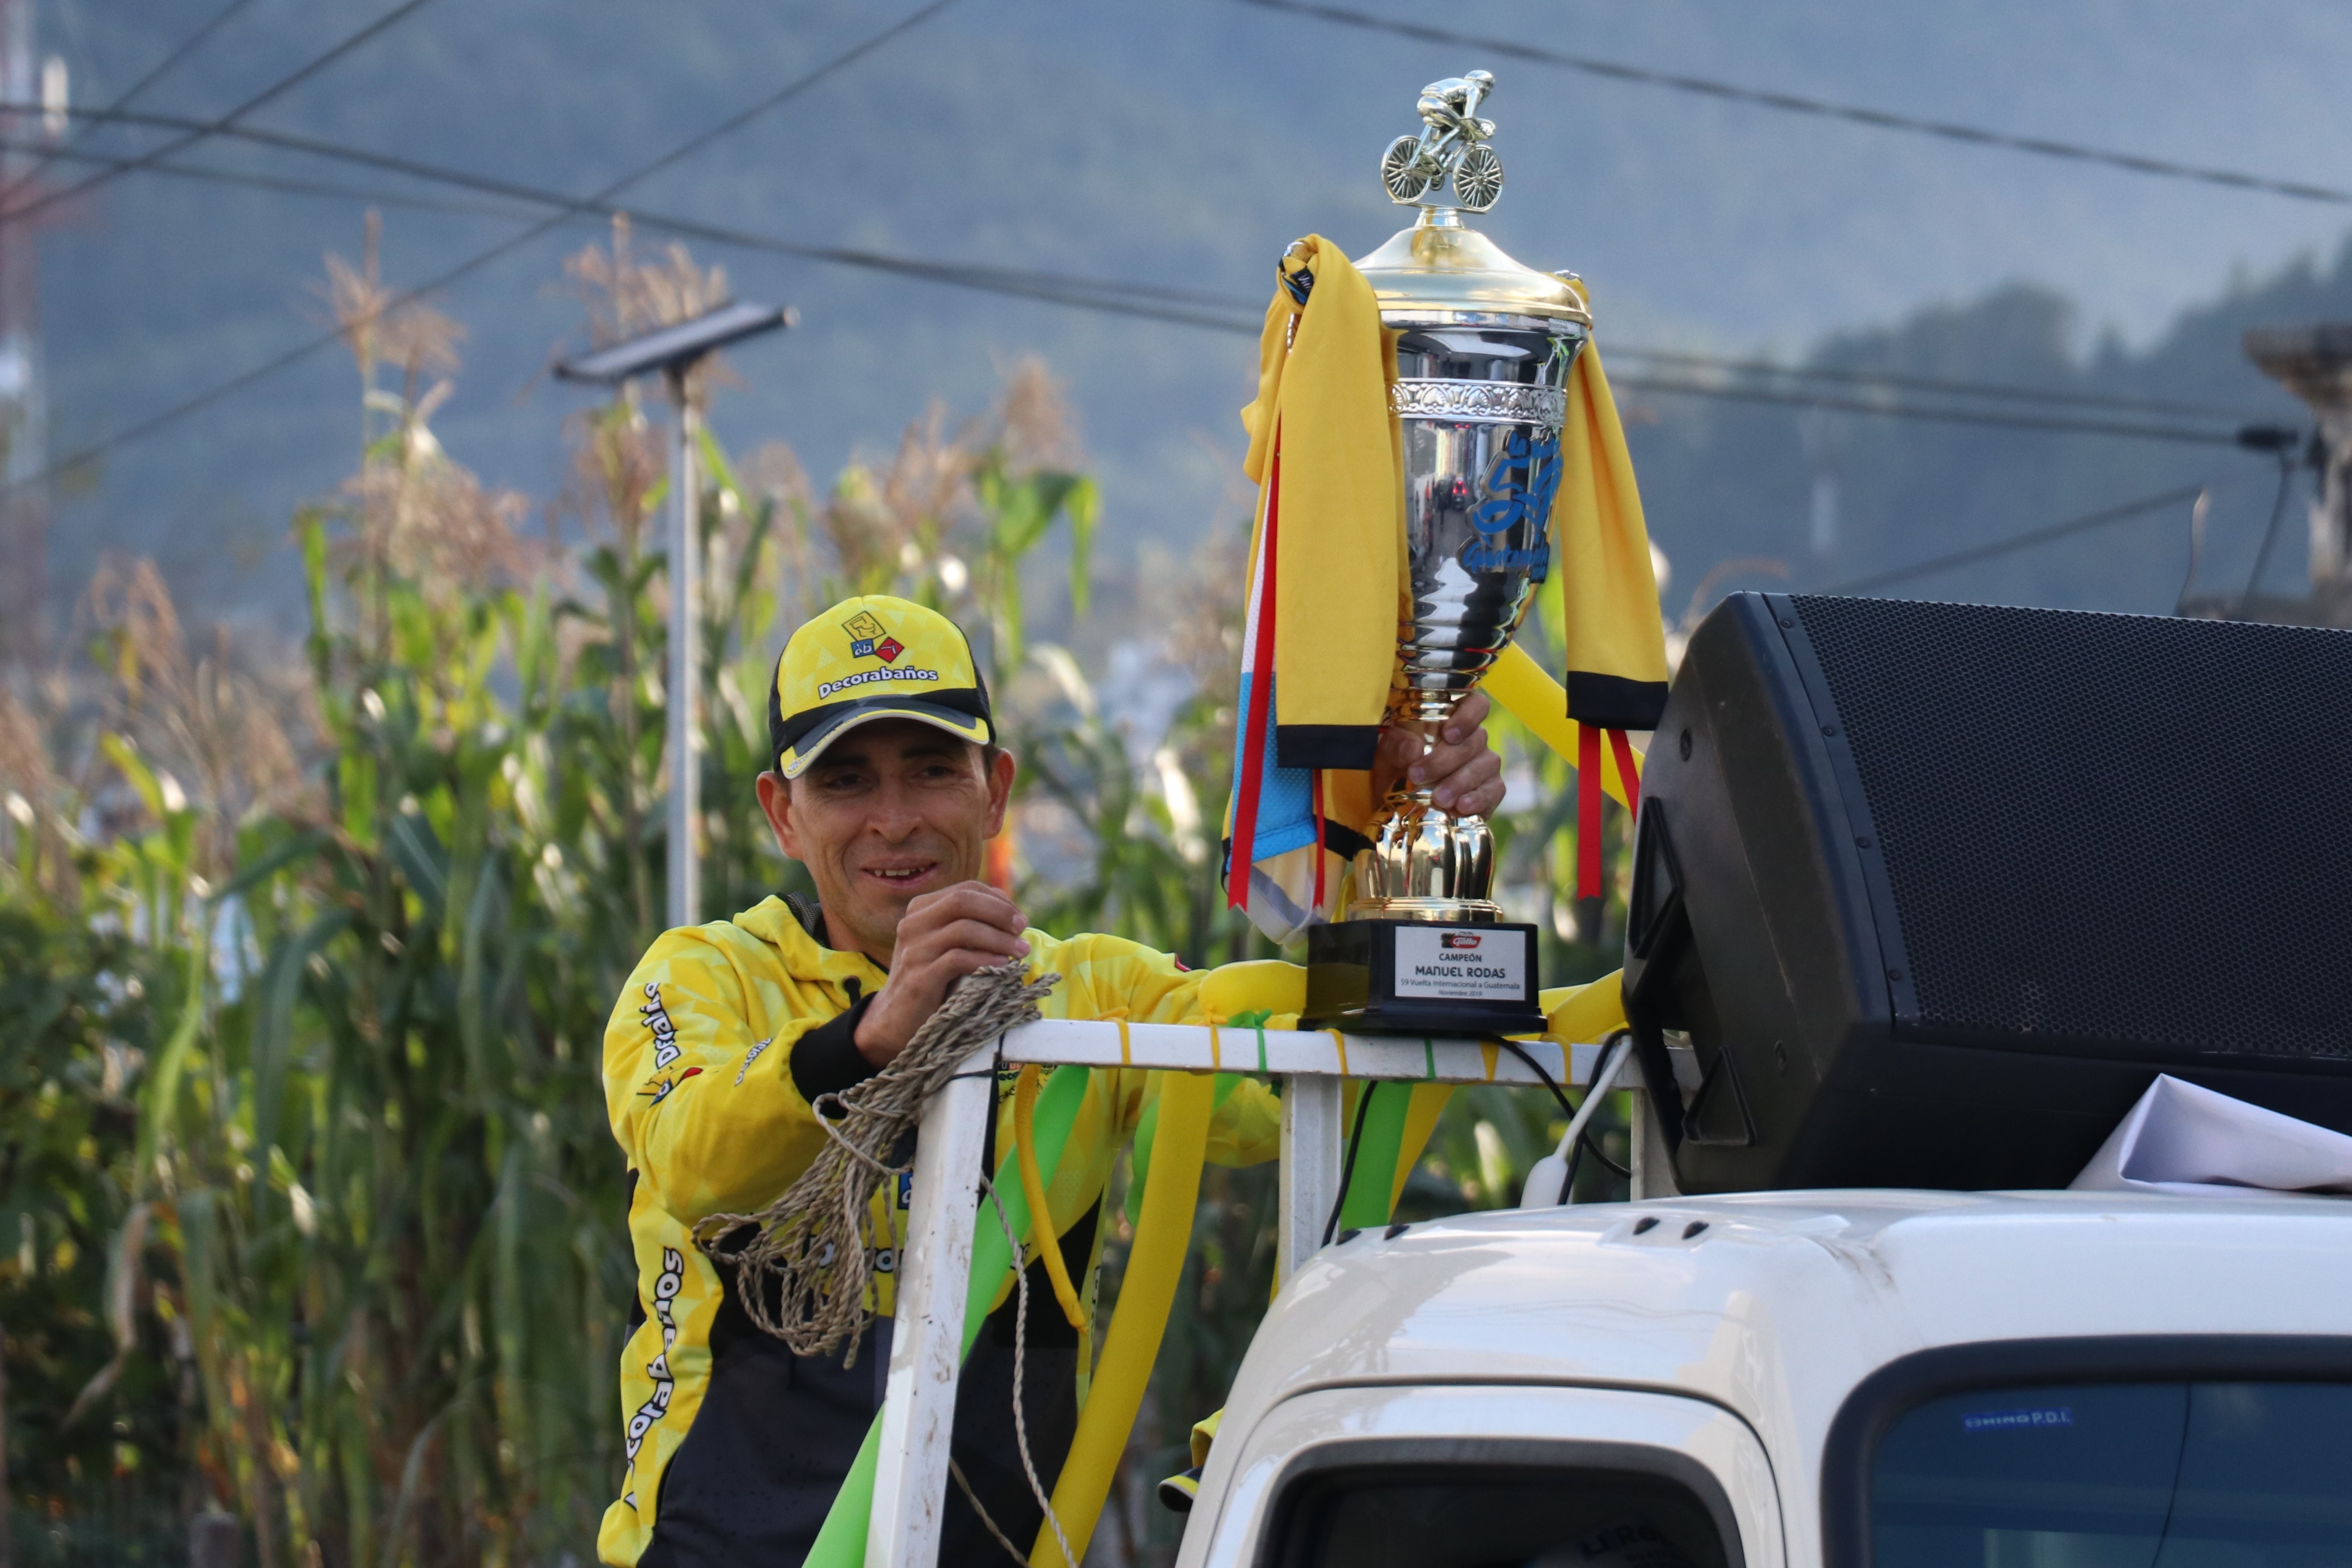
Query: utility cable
pixel 2055 424
pixel 1796 103
pixel 1996 389
pixel 2270 532
pixel 304 349
pixel 1181 306
pixel 278 88
pixel 282 185
pixel 2024 541
pixel 124 100
pixel 1348 1165
pixel 1208 311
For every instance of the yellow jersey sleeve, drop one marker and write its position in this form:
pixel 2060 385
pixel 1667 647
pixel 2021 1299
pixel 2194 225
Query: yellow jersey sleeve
pixel 698 1076
pixel 1109 976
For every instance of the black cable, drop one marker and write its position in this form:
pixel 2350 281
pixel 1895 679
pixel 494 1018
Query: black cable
pixel 1622 1173
pixel 122 101
pixel 2021 541
pixel 276 90
pixel 1189 308
pixel 305 350
pixel 1796 104
pixel 1348 1168
pixel 1584 1139
pixel 2270 532
pixel 283 186
pixel 1999 390
pixel 1104 297
pixel 2055 425
pixel 1536 1067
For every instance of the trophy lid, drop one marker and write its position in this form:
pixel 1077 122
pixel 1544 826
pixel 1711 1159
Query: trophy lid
pixel 1441 265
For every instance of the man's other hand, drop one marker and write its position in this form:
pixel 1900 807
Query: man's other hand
pixel 1461 768
pixel 944 936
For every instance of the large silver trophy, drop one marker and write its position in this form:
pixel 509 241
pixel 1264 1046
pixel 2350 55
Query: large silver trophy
pixel 1481 394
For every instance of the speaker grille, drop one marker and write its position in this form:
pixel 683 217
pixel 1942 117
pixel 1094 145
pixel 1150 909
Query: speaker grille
pixel 2114 831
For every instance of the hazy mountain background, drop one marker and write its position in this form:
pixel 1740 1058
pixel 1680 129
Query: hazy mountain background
pixel 1182 146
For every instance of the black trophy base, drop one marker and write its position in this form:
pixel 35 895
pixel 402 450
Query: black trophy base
pixel 1411 977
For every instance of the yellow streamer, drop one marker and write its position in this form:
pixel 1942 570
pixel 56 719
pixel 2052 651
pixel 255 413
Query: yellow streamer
pixel 1163 1234
pixel 1032 1185
pixel 1490 1051
pixel 1528 693
pixel 1578 1014
pixel 1341 1041
pixel 1428 1102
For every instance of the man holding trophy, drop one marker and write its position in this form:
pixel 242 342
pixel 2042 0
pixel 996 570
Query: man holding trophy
pixel 1418 438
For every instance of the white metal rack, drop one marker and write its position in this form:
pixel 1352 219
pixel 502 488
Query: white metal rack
pixel 926 1344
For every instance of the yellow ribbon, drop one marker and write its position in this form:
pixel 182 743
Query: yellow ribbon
pixel 1032 1185
pixel 1163 1234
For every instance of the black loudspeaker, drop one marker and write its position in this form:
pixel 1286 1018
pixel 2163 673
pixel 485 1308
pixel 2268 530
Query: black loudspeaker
pixel 1933 892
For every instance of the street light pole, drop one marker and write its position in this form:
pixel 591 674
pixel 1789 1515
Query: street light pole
pixel 685 632
pixel 674 351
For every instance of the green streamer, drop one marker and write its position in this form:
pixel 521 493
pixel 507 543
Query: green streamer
pixel 1367 1204
pixel 841 1543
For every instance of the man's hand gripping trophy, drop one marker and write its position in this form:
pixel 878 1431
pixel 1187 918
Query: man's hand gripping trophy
pixel 1452 146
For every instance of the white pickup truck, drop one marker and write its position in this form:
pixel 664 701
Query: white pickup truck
pixel 1847 1379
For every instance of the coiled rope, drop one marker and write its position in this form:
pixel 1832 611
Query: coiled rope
pixel 802 1264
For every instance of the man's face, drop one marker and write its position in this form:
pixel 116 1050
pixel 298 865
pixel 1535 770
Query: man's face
pixel 892 809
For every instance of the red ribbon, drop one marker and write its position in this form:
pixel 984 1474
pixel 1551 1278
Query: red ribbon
pixel 1587 811
pixel 1251 741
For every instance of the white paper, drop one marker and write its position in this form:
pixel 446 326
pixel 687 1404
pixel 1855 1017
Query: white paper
pixel 2183 1139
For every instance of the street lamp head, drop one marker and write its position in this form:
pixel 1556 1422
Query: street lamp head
pixel 673 349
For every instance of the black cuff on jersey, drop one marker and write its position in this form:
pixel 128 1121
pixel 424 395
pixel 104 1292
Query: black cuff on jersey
pixel 826 1061
pixel 1613 702
pixel 1348 746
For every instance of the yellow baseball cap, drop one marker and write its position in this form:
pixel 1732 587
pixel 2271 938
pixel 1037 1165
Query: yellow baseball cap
pixel 868 658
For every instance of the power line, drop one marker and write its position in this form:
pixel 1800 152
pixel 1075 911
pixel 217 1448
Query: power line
pixel 122 101
pixel 1796 103
pixel 303 351
pixel 282 185
pixel 2052 424
pixel 2024 541
pixel 1113 296
pixel 1187 307
pixel 2010 390
pixel 1001 279
pixel 276 90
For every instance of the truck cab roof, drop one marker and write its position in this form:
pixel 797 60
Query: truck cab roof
pixel 1736 1333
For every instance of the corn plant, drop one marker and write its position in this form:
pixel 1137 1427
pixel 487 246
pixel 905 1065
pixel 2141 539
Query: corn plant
pixel 308 1208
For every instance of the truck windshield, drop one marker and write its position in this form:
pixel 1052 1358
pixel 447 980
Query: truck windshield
pixel 2145 1475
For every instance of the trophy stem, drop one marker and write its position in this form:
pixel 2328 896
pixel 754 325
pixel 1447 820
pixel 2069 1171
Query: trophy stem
pixel 1425 863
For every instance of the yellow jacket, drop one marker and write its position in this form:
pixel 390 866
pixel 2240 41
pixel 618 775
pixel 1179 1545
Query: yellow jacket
pixel 704 1093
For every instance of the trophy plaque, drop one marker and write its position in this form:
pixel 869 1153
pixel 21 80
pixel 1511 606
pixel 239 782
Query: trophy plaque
pixel 1483 352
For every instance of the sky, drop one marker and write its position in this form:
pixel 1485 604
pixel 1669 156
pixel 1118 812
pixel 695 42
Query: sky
pixel 1174 146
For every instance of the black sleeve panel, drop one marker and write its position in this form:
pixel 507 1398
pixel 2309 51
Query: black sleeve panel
pixel 826 1061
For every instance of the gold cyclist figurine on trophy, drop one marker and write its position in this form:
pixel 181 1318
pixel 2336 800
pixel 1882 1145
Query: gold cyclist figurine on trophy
pixel 1452 145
